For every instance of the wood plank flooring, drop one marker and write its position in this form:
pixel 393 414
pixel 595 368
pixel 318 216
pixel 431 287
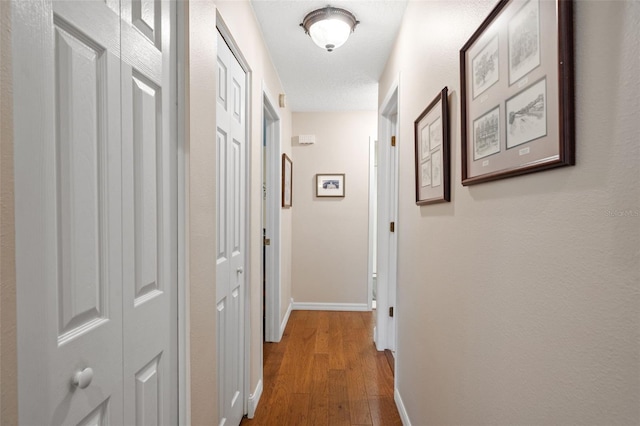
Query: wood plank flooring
pixel 326 371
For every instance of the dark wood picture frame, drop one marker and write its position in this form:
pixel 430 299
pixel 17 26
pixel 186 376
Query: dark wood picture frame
pixel 331 185
pixel 432 152
pixel 287 181
pixel 520 118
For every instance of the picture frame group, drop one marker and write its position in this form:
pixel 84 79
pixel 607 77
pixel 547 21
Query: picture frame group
pixel 330 185
pixel 517 107
pixel 432 152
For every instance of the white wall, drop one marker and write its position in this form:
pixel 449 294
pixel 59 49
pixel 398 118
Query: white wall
pixel 518 301
pixel 330 235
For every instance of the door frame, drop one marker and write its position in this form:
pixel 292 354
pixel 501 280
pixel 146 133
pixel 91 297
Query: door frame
pixel 373 209
pixel 224 30
pixel 387 248
pixel 272 151
pixel 184 342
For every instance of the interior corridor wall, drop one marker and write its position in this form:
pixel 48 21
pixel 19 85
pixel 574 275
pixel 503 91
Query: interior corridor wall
pixel 241 22
pixel 330 235
pixel 518 300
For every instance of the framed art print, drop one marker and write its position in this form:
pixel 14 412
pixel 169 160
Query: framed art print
pixel 432 152
pixel 287 181
pixel 330 185
pixel 517 107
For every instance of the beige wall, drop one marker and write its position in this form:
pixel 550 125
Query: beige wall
pixel 518 301
pixel 240 19
pixel 8 362
pixel 200 148
pixel 330 235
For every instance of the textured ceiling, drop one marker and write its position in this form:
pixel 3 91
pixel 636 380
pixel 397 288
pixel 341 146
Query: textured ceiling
pixel 343 80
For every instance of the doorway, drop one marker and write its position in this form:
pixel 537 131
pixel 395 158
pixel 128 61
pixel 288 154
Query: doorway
pixel 373 223
pixel 231 235
pixel 387 247
pixel 271 161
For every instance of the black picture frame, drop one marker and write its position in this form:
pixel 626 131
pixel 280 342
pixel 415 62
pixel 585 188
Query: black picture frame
pixel 432 152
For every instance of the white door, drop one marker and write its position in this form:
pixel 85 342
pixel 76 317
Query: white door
pixel 75 200
pixel 149 213
pixel 230 247
pixel 272 206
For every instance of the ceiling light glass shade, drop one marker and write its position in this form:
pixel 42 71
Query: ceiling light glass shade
pixel 329 27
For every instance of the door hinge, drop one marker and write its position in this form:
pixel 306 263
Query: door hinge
pixel 392 227
pixel 393 141
pixel 267 241
pixel 391 311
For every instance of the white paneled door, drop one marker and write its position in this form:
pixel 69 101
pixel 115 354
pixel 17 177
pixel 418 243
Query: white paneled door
pixel 231 223
pixel 96 212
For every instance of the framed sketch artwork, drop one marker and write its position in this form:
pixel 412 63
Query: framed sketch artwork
pixel 432 152
pixel 287 181
pixel 517 107
pixel 330 185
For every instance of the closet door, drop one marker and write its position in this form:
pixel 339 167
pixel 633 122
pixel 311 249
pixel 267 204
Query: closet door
pixel 149 213
pixel 96 212
pixel 231 223
pixel 68 190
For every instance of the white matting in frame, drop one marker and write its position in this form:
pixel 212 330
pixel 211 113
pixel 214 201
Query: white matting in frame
pixel 330 185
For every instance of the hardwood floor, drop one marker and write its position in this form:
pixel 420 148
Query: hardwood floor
pixel 326 371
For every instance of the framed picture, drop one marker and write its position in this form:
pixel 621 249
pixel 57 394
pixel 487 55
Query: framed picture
pixel 287 181
pixel 432 152
pixel 517 107
pixel 330 185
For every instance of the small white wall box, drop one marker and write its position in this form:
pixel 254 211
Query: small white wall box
pixel 306 139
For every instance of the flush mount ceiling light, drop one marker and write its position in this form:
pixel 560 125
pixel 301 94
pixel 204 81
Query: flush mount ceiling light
pixel 329 27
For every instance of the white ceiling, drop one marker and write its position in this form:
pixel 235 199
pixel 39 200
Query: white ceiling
pixel 343 80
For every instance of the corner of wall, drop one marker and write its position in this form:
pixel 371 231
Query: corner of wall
pixel 200 92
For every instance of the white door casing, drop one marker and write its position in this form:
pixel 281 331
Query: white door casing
pixel 387 213
pixel 271 120
pixel 74 206
pixel 230 235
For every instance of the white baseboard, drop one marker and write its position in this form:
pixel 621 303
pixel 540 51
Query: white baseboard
pixel 285 320
pixel 254 399
pixel 307 306
pixel 401 410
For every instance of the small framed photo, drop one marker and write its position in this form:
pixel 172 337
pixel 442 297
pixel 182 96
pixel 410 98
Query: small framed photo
pixel 516 91
pixel 287 181
pixel 432 152
pixel 330 185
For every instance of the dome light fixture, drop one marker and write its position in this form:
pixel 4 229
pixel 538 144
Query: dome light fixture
pixel 329 27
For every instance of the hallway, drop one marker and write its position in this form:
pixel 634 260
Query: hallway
pixel 326 371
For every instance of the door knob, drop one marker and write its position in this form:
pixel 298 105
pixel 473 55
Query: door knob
pixel 240 270
pixel 82 378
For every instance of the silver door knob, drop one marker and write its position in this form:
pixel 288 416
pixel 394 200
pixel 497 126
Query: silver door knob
pixel 240 270
pixel 83 378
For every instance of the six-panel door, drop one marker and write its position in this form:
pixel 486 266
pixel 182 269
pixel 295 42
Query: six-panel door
pixel 96 229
